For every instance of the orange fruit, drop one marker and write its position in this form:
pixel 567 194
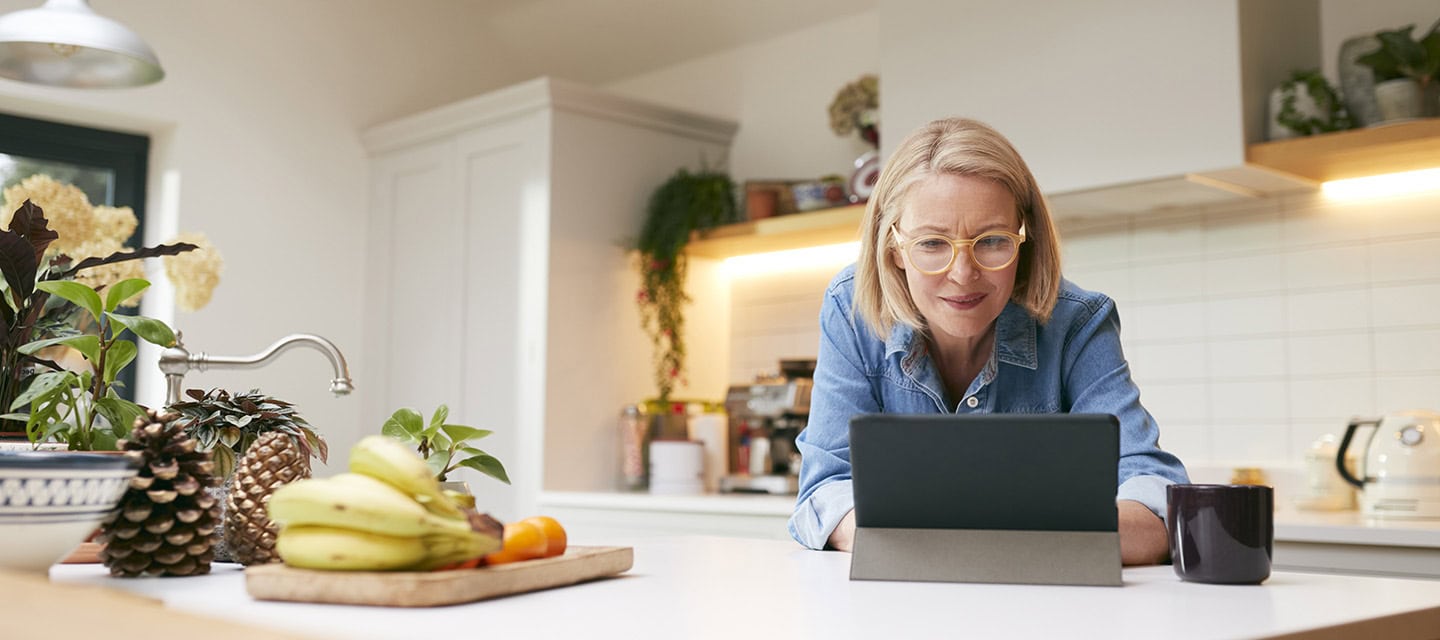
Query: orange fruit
pixel 522 541
pixel 554 534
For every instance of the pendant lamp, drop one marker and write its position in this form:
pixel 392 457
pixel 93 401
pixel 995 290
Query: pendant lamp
pixel 66 44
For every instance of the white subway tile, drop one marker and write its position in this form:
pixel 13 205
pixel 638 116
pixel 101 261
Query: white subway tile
pixel 1325 224
pixel 1398 393
pixel 1162 362
pixel 1403 216
pixel 1328 310
pixel 1404 259
pixel 1405 305
pixel 1175 402
pixel 1347 353
pixel 1326 267
pixel 1407 351
pixel 1189 442
pixel 1248 402
pixel 1164 320
pixel 1111 281
pixel 1167 281
pixel 1244 357
pixel 1244 315
pixel 1248 232
pixel 1095 248
pixel 1243 274
pixel 1256 443
pixel 1332 399
pixel 1168 240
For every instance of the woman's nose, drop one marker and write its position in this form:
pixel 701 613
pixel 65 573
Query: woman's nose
pixel 963 268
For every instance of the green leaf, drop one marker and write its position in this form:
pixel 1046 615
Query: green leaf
pixel 437 462
pixel 119 412
pixel 460 433
pixel 103 441
pixel 87 345
pixel 152 330
pixel 405 424
pixel 124 290
pixel 44 386
pixel 441 413
pixel 224 461
pixel 229 436
pixel 79 294
pixel 488 465
pixel 121 353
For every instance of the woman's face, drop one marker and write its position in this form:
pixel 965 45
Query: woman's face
pixel 962 303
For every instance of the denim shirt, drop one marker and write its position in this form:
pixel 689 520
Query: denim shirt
pixel 1072 364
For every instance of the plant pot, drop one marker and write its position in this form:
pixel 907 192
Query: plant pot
pixel 1399 99
pixel 1357 81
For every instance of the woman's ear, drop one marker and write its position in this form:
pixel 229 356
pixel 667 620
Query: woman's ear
pixel 898 259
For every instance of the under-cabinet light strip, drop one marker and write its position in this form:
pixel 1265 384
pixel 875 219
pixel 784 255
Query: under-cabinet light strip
pixel 1389 184
pixel 830 256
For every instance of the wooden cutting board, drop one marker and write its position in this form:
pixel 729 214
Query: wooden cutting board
pixel 434 588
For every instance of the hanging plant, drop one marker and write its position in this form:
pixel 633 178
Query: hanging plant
pixel 685 203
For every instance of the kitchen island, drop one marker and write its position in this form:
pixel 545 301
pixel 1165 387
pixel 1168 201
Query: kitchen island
pixel 712 587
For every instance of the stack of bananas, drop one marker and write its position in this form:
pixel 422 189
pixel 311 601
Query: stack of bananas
pixel 387 514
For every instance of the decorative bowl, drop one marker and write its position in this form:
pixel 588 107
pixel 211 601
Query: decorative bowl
pixel 51 500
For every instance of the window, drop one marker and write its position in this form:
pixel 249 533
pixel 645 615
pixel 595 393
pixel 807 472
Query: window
pixel 108 166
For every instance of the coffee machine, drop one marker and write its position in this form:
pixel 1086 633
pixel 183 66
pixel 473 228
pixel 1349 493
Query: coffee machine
pixel 765 417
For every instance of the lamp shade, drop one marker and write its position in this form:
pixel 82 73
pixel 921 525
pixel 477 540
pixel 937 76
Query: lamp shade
pixel 65 44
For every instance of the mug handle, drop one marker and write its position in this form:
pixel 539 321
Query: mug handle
pixel 1355 423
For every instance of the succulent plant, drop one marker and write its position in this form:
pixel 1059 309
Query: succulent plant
pixel 228 424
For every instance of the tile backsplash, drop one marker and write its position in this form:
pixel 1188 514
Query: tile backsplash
pixel 1251 329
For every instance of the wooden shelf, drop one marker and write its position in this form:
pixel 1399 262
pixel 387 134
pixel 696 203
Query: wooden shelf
pixel 1389 148
pixel 794 231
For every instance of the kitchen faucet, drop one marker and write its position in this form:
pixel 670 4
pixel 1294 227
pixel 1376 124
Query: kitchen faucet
pixel 178 360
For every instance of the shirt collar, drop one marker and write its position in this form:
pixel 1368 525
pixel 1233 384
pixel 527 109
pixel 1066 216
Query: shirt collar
pixel 1015 339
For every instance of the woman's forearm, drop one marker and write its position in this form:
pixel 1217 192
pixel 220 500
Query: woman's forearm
pixel 1142 535
pixel 843 537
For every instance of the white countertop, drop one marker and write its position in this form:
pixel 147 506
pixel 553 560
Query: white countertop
pixel 707 587
pixel 1291 525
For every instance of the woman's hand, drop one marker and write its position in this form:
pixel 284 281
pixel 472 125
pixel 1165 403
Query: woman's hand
pixel 843 537
pixel 1142 535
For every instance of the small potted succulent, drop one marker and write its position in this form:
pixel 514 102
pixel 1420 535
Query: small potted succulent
pixel 227 424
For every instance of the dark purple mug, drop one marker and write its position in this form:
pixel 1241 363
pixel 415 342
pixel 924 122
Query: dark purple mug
pixel 1221 534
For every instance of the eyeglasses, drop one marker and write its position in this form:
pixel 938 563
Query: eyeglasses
pixel 933 254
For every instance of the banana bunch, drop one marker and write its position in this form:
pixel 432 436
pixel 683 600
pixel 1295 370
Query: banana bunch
pixel 387 514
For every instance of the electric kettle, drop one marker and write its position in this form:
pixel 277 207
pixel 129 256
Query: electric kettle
pixel 1400 468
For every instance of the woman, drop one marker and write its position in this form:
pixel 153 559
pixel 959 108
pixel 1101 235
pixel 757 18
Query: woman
pixel 957 305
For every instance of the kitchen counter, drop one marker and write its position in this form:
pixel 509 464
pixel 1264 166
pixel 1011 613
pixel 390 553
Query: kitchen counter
pixel 711 587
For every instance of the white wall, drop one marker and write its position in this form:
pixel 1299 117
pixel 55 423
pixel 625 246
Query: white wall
pixel 254 142
pixel 780 92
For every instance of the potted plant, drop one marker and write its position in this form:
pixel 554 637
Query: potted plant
pixel 684 203
pixel 227 424
pixel 1306 104
pixel 44 304
pixel 81 407
pixel 445 447
pixel 1406 70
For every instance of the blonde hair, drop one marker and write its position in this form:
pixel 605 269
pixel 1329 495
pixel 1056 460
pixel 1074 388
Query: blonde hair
pixel 964 147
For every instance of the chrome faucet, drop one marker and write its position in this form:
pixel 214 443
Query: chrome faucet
pixel 176 361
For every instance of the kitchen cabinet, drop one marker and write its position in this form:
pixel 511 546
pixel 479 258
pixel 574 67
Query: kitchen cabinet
pixel 1118 106
pixel 499 282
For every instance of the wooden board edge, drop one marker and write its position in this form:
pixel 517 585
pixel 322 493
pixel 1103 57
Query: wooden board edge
pixel 277 582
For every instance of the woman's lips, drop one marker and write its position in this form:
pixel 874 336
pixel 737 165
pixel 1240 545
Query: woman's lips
pixel 963 303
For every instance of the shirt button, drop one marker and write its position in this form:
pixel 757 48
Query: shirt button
pixel 972 402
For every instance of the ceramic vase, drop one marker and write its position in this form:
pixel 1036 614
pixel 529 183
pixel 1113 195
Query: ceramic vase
pixel 1357 81
pixel 1399 99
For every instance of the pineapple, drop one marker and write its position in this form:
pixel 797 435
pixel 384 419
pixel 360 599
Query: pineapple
pixel 230 426
pixel 272 462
